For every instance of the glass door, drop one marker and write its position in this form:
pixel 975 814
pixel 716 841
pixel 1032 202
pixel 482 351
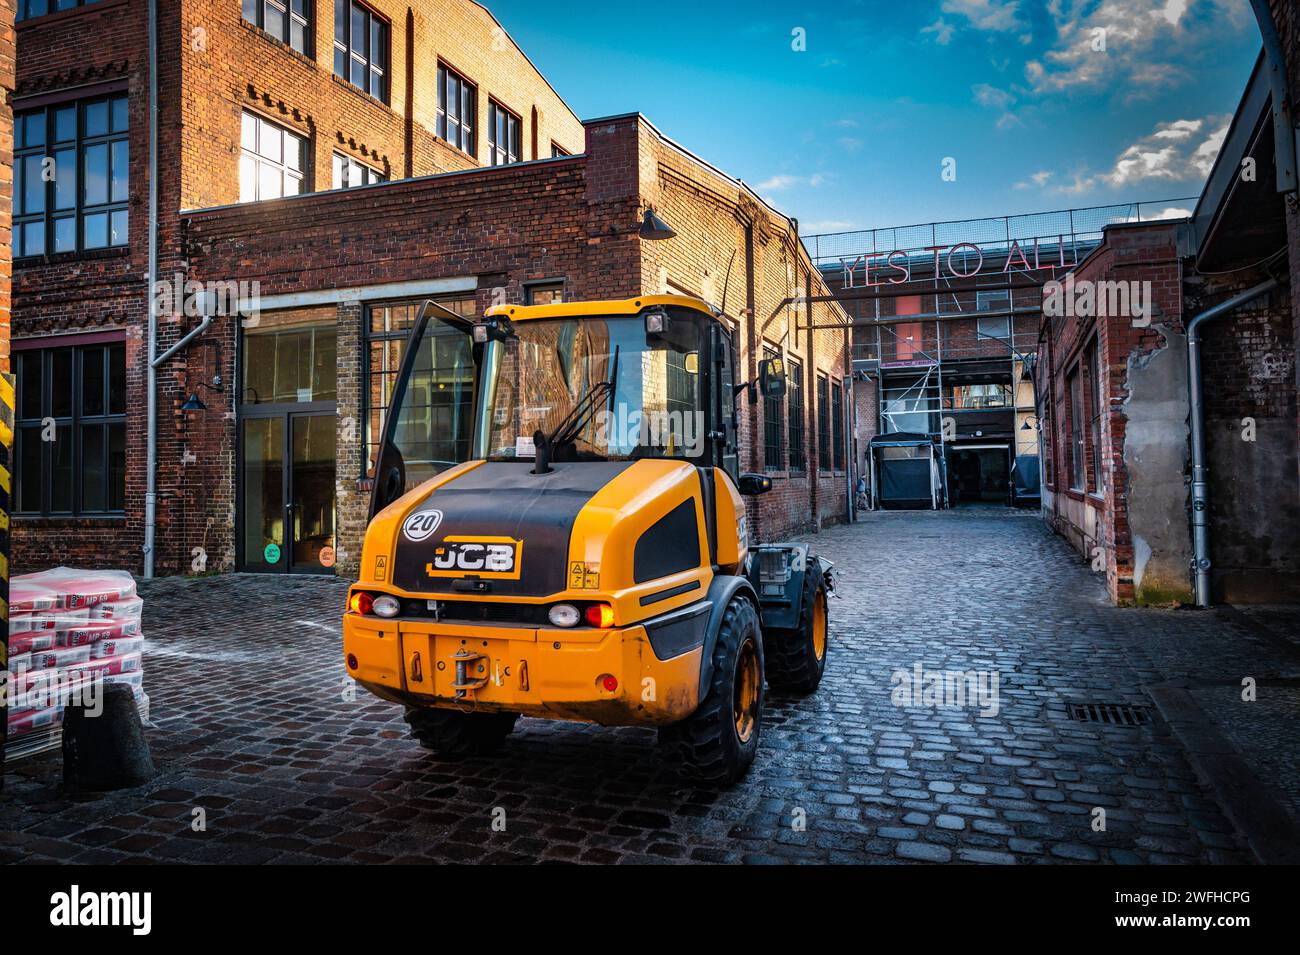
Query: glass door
pixel 311 493
pixel 263 480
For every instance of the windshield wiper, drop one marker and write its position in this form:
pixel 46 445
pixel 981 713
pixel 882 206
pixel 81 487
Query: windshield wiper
pixel 571 425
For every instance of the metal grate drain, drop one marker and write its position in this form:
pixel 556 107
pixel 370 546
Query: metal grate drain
pixel 1112 714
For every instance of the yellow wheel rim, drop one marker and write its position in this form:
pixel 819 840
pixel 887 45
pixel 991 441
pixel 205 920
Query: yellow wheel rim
pixel 819 625
pixel 745 705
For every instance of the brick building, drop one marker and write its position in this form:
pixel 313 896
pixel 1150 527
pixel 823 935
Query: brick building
pixel 1120 469
pixel 329 181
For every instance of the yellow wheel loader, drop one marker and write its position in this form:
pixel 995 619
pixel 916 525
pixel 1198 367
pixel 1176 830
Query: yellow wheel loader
pixel 589 556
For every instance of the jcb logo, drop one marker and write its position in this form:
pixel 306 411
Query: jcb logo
pixel 491 557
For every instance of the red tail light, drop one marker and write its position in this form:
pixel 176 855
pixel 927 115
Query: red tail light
pixel 600 615
pixel 610 683
pixel 361 602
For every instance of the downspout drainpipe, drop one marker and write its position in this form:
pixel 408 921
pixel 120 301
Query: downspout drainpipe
pixel 151 370
pixel 1284 148
pixel 1196 399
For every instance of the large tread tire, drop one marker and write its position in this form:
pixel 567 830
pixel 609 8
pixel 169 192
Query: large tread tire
pixel 453 735
pixel 793 665
pixel 708 743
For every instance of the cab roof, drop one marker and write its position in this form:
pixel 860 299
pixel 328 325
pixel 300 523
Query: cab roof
pixel 625 306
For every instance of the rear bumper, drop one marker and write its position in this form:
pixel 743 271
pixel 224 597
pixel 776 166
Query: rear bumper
pixel 544 672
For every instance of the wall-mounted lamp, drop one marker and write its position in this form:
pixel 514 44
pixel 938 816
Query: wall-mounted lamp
pixel 653 228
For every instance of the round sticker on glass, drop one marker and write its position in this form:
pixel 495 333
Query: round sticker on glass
pixel 327 556
pixel 272 553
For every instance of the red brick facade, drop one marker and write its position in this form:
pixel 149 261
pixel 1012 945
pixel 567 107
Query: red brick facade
pixel 442 223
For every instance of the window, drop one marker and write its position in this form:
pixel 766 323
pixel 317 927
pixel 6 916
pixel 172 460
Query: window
pixel 544 293
pixel 773 423
pixel 271 165
pixel 557 151
pixel 361 48
pixel 457 110
pixel 837 425
pixel 1096 388
pixel 349 173
pixel 71 430
pixel 27 9
pixel 289 360
pixel 979 396
pixel 286 20
pixel 823 424
pixel 1045 448
pixel 503 135
pixel 446 389
pixel 794 403
pixel 1073 385
pixel 71 177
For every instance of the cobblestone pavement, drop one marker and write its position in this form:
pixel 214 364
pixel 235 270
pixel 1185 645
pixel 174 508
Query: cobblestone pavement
pixel 252 727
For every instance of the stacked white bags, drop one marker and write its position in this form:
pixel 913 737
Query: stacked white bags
pixel 70 631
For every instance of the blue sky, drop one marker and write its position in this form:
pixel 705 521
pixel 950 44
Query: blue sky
pixel 852 131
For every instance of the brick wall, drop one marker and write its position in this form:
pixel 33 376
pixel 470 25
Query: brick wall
pixel 1130 519
pixel 212 66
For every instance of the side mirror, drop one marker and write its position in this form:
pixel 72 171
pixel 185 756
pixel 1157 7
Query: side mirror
pixel 771 377
pixel 752 484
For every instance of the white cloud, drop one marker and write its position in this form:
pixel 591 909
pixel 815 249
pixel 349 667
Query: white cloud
pixel 942 31
pixel 999 16
pixel 782 181
pixel 1172 212
pixel 1179 151
pixel 991 97
pixel 1134 45
pixel 1038 179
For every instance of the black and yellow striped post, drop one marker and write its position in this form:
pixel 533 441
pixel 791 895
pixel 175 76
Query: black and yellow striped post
pixel 6 491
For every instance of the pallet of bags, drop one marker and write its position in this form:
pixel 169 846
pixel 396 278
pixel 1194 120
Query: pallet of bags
pixel 71 631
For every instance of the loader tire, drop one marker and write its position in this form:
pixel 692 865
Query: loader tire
pixel 716 744
pixel 796 659
pixel 452 735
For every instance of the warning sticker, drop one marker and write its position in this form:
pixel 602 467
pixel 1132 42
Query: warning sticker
pixel 576 572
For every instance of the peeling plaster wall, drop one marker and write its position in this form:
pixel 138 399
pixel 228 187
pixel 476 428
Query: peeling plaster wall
pixel 1156 460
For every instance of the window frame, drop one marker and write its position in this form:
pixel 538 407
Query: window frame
pixel 350 161
pixel 20 16
pixel 350 52
pixel 558 151
pixel 532 288
pixel 467 104
pixel 80 144
pixel 1074 398
pixel 300 175
pixel 76 422
pixel 495 110
pixel 370 442
pixel 1096 409
pixel 837 425
pixel 824 459
pixel 774 414
pixel 798 453
pixel 290 17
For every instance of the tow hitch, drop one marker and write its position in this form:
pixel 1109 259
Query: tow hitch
pixel 471 672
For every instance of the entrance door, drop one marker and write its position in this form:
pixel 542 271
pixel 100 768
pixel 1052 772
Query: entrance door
pixel 288 492
pixel 979 474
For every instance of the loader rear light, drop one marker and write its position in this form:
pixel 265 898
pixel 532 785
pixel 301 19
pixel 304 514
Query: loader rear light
pixel 609 682
pixel 385 605
pixel 352 661
pixel 361 602
pixel 564 615
pixel 600 615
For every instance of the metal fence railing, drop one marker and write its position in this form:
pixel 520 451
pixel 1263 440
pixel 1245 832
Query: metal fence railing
pixel 1069 227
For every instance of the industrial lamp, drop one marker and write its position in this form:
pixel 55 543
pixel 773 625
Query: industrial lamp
pixel 194 403
pixel 653 228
